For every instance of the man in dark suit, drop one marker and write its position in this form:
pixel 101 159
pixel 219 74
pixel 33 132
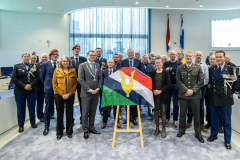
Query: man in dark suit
pixel 40 91
pixel 105 73
pixel 46 75
pixel 116 63
pixel 131 62
pixel 190 79
pixel 221 89
pixel 90 78
pixel 103 65
pixel 76 61
pixel 208 58
pixel 227 61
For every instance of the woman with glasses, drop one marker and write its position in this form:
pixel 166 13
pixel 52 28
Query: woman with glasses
pixel 64 86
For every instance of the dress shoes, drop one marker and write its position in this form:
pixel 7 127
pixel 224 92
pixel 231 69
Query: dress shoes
pixel 85 135
pixel 94 131
pixel 200 139
pixel 212 138
pixel 33 125
pixel 180 134
pixel 167 121
pixel 220 130
pixel 134 122
pixel 104 125
pixel 120 116
pixel 228 145
pixel 59 137
pixel 207 126
pixel 175 124
pixel 118 125
pixel 188 125
pixel 52 117
pixel 125 122
pixel 46 130
pixel 69 136
pixel 203 128
pixel 21 129
pixel 42 120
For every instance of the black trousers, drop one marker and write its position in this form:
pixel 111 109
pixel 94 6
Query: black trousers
pixel 195 107
pixel 79 98
pixel 133 112
pixel 105 113
pixel 60 113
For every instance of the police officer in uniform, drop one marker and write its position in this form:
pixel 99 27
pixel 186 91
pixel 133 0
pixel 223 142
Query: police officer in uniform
pixel 221 77
pixel 190 79
pixel 25 76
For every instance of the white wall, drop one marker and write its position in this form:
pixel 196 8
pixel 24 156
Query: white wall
pixel 197 28
pixel 25 32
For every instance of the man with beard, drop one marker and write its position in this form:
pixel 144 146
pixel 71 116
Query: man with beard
pixel 190 79
pixel 198 58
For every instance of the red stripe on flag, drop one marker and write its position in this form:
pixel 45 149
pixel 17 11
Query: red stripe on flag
pixel 138 76
pixel 168 33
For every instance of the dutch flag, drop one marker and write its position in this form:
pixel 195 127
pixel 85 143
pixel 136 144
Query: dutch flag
pixel 182 35
pixel 168 36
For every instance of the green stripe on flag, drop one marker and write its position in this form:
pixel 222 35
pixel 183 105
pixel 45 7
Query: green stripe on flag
pixel 110 97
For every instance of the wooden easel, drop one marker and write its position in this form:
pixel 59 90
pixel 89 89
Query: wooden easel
pixel 128 121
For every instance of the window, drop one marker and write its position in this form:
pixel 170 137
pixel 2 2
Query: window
pixel 115 30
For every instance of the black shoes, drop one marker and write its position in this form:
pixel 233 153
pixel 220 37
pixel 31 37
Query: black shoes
pixel 228 145
pixel 69 136
pixel 207 126
pixel 59 137
pixel 42 120
pixel 85 135
pixel 21 129
pixel 212 138
pixel 94 131
pixel 180 134
pixel 200 139
pixel 52 117
pixel 134 122
pixel 46 130
pixel 220 130
pixel 33 125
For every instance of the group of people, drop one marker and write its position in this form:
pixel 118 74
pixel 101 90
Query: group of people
pixel 184 82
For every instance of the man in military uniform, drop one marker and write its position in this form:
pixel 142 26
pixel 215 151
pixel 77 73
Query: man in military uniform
pixel 103 65
pixel 190 79
pixel 223 83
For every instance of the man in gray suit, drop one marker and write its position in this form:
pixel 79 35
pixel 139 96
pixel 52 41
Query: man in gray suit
pixel 190 79
pixel 90 78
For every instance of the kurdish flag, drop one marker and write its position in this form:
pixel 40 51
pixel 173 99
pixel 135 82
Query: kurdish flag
pixel 127 86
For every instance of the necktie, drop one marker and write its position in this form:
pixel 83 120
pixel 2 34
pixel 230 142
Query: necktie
pixel 54 65
pixel 92 67
pixel 130 63
pixel 219 69
pixel 77 64
pixel 110 72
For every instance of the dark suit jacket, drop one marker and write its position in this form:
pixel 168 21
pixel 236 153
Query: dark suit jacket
pixel 105 73
pixel 118 66
pixel 102 63
pixel 164 85
pixel 216 95
pixel 207 60
pixel 80 60
pixel 40 86
pixel 136 63
pixel 231 64
pixel 46 76
pixel 20 79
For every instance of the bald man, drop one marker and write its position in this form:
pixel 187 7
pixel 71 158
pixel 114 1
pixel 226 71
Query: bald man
pixel 106 110
pixel 208 57
pixel 227 61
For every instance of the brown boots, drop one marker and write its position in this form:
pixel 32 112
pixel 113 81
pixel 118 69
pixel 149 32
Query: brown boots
pixel 157 131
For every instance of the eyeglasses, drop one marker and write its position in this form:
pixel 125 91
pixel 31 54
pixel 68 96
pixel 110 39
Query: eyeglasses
pixel 92 55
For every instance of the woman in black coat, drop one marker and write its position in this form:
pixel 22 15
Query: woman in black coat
pixel 25 76
pixel 160 85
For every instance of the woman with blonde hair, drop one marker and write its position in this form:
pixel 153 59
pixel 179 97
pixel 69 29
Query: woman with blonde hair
pixel 64 85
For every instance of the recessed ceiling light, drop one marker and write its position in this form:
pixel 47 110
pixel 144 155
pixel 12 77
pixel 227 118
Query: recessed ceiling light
pixel 136 2
pixel 167 6
pixel 201 6
pixel 39 8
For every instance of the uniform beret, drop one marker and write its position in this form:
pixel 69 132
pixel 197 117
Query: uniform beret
pixel 76 45
pixel 53 50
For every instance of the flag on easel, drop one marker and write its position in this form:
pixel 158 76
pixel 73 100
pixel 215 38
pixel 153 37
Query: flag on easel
pixel 168 36
pixel 182 34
